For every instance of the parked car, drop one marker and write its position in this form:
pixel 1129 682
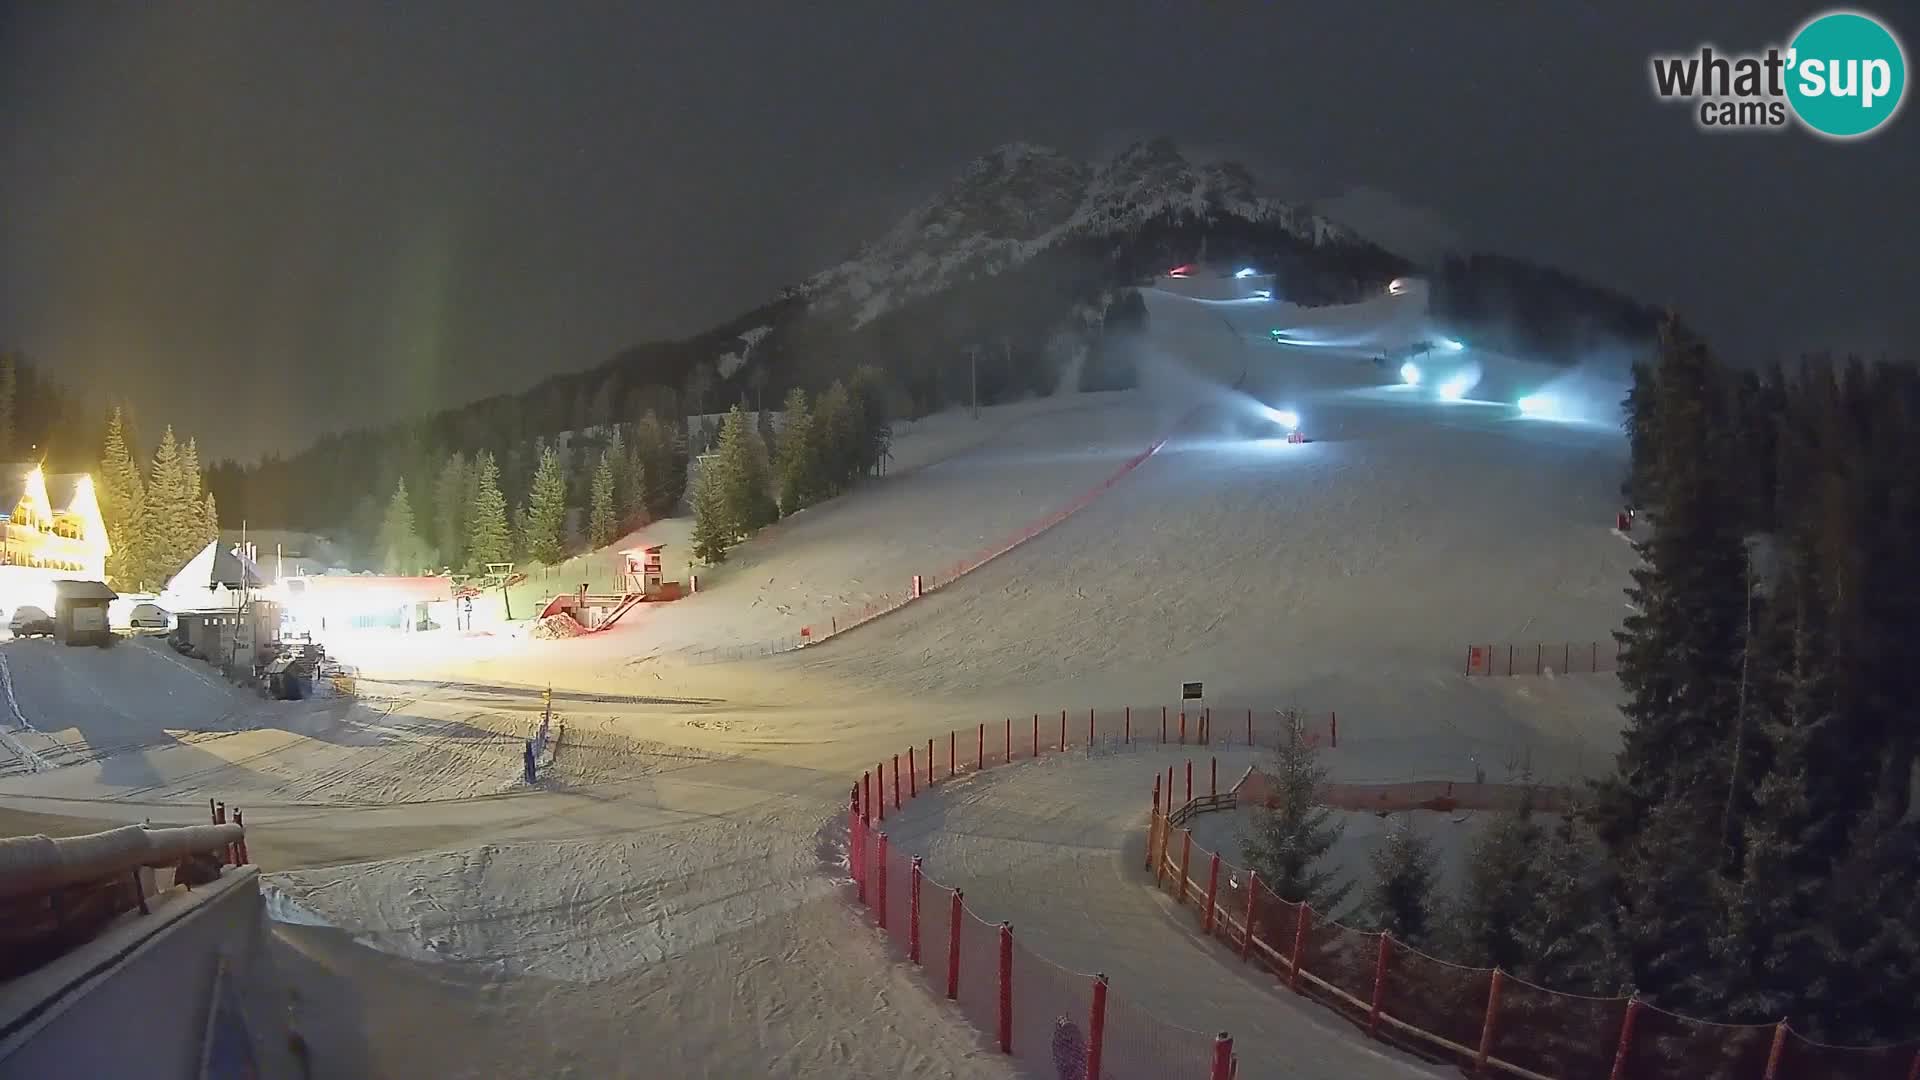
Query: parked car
pixel 30 621
pixel 150 617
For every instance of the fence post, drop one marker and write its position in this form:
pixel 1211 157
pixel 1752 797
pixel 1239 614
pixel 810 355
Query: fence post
pixel 929 762
pixel 913 776
pixel 1127 736
pixel 240 845
pixel 980 748
pixel 1009 740
pixel 1169 791
pixel 953 755
pixel 1213 776
pixel 1153 821
pixel 1487 1027
pixel 1160 860
pixel 1509 659
pixel 1006 988
pixel 1626 1040
pixel 896 781
pixel 1566 658
pixel 1299 943
pixel 1539 657
pixel 866 798
pixel 1097 1025
pixel 1089 731
pixel 1379 983
pixel 1063 731
pixel 1036 734
pixel 1253 899
pixel 1594 663
pixel 1163 724
pixel 1777 1051
pixel 1249 729
pixel 1183 727
pixel 1333 729
pixel 1186 863
pixel 913 912
pixel 1222 1058
pixel 856 847
pixel 880 788
pixel 1189 779
pixel 953 945
pixel 1206 724
pixel 880 897
pixel 1213 890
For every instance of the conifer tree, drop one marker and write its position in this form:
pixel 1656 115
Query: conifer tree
pixel 210 518
pixel 1567 938
pixel 713 530
pixel 838 439
pixel 1497 892
pixel 190 487
pixel 653 447
pixel 740 469
pixel 173 523
pixel 798 466
pixel 868 393
pixel 450 501
pixel 399 544
pixel 1289 837
pixel 488 540
pixel 603 517
pixel 625 505
pixel 1399 899
pixel 122 497
pixel 1682 646
pixel 9 389
pixel 546 514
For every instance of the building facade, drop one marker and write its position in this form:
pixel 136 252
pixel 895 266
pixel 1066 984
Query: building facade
pixel 50 529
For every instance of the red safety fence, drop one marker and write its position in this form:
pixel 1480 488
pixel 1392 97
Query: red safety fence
pixel 1054 1021
pixel 1483 1019
pixel 1543 657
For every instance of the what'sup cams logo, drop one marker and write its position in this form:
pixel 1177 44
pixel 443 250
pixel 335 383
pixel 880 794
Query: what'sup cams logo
pixel 1843 75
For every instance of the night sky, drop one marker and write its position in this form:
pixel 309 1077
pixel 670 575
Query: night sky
pixel 265 220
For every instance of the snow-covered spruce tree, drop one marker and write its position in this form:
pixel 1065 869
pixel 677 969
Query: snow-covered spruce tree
pixel 173 523
pixel 868 392
pixel 713 530
pixel 488 539
pixel 1875 915
pixel 834 426
pixel 546 516
pixel 1287 839
pixel 399 543
pixel 450 500
pixel 654 447
pixel 1680 662
pixel 798 461
pixel 1399 899
pixel 1486 921
pixel 122 497
pixel 625 505
pixel 603 515
pixel 743 475
pixel 1567 938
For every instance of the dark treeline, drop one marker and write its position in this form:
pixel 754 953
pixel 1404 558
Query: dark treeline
pixel 1761 821
pixel 1756 853
pixel 42 421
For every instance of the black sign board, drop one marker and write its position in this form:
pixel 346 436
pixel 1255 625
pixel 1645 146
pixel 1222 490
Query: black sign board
pixel 1189 691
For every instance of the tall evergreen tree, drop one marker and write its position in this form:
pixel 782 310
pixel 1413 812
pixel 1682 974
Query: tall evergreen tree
pixel 399 542
pixel 122 497
pixel 835 428
pixel 1399 898
pixel 603 519
pixel 742 474
pixel 1497 891
pixel 191 483
pixel 451 498
pixel 209 519
pixel 1288 838
pixel 488 540
pixel 173 523
pixel 626 510
pixel 713 529
pixel 653 446
pixel 798 466
pixel 546 514
pixel 1681 655
pixel 1567 939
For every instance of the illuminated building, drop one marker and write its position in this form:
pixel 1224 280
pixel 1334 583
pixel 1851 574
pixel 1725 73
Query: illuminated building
pixel 51 529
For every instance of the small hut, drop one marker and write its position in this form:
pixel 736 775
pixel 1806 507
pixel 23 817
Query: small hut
pixel 80 612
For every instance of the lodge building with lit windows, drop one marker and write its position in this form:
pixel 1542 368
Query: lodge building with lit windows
pixel 50 529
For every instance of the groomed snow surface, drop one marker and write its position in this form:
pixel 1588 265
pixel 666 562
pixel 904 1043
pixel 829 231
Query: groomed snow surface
pixel 668 899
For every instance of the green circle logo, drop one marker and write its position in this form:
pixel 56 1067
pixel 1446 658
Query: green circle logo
pixel 1847 74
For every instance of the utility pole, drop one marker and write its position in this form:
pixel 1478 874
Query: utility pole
pixel 973 379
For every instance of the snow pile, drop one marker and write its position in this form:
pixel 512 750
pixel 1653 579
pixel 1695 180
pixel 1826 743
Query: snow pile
pixel 555 626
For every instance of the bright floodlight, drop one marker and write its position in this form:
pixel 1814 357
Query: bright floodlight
pixel 1410 373
pixel 1264 294
pixel 1286 418
pixel 1539 406
pixel 1244 272
pixel 1455 388
pixel 1451 345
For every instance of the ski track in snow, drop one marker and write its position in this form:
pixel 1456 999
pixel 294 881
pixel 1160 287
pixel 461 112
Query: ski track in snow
pixel 667 901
